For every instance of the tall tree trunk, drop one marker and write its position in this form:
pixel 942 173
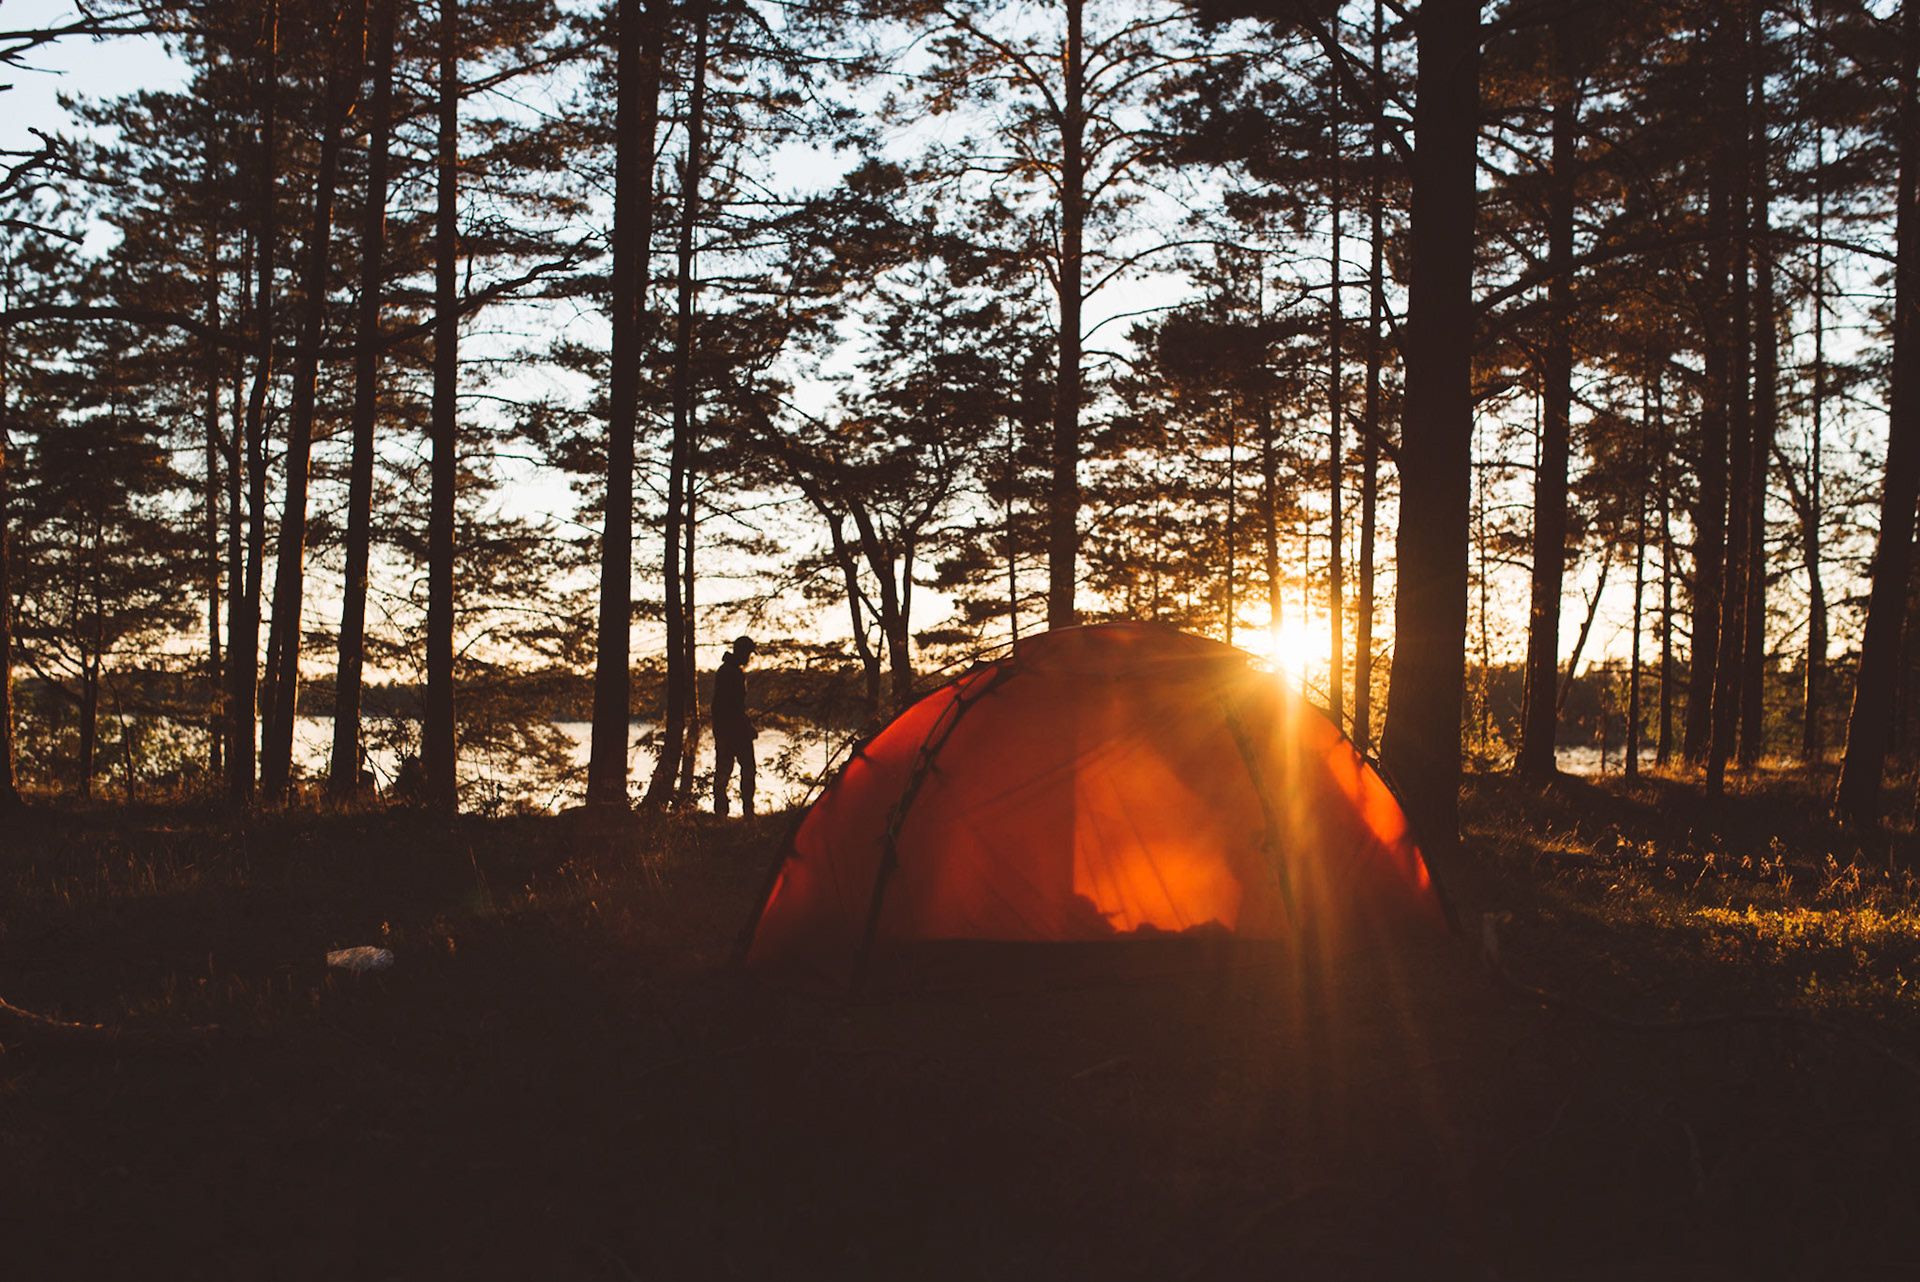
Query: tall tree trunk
pixel 892 569
pixel 438 750
pixel 1007 532
pixel 1730 660
pixel 1663 747
pixel 1233 517
pixel 900 643
pixel 289 583
pixel 1766 409
pixel 210 513
pixel 689 651
pixel 344 773
pixel 681 676
pixel 1371 427
pixel 1421 744
pixel 1710 513
pixel 89 723
pixel 1063 500
pixel 1270 520
pixel 850 575
pixel 9 788
pixel 235 525
pixel 1482 703
pixel 243 606
pixel 1336 393
pixel 1870 727
pixel 1813 703
pixel 1639 587
pixel 636 120
pixel 1539 722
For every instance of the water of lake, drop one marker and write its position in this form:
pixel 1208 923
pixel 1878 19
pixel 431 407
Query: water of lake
pixel 1584 759
pixel 789 765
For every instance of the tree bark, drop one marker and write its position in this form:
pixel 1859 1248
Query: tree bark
pixel 1371 426
pixel 636 119
pixel 344 773
pixel 235 525
pixel 1766 421
pixel 1564 687
pixel 89 723
pixel 1730 661
pixel 1233 522
pixel 289 584
pixel 1710 513
pixel 1063 499
pixel 1540 720
pixel 1813 702
pixel 1712 602
pixel 689 653
pixel 1870 727
pixel 210 510
pixel 1632 767
pixel 1421 744
pixel 886 562
pixel 1008 533
pixel 1336 392
pixel 850 574
pixel 1663 747
pixel 900 642
pixel 243 606
pixel 9 785
pixel 681 675
pixel 1481 705
pixel 438 750
pixel 1270 520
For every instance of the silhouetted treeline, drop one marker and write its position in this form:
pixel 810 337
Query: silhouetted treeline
pixel 460 339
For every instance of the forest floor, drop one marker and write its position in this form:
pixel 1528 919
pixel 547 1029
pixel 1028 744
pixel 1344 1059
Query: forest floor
pixel 562 1077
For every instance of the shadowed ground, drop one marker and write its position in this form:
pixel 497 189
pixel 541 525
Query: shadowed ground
pixel 561 1077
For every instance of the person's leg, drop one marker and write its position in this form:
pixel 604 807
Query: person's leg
pixel 722 771
pixel 745 752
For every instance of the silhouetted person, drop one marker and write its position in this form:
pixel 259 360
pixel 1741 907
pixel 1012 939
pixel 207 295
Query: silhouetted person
pixel 732 732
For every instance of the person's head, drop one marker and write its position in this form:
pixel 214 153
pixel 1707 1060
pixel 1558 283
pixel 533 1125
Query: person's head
pixel 743 648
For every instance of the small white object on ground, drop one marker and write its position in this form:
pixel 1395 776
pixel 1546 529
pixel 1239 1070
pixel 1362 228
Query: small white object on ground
pixel 360 961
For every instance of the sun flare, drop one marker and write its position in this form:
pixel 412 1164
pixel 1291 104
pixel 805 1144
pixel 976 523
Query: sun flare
pixel 1297 647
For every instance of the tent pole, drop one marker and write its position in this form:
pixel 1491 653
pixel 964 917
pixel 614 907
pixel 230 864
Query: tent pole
pixel 890 849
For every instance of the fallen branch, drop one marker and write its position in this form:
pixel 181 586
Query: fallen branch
pixel 37 1022
pixel 35 1026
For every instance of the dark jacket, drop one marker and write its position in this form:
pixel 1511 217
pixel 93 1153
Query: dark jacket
pixel 730 702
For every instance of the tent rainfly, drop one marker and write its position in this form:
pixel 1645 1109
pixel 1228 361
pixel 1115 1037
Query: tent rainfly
pixel 1117 781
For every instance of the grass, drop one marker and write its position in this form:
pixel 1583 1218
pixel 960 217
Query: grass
pixel 1758 901
pixel 562 1077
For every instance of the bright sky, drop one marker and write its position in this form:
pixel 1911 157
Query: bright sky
pixel 91 68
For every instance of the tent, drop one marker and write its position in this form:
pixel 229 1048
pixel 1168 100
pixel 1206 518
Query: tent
pixel 1114 782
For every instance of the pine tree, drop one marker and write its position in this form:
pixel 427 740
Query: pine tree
pixel 1421 742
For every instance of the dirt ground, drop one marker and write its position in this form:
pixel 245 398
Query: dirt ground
pixel 562 1077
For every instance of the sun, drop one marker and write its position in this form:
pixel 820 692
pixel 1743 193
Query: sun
pixel 1298 646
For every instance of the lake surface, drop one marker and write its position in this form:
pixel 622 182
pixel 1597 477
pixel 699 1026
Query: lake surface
pixel 1585 759
pixel 788 765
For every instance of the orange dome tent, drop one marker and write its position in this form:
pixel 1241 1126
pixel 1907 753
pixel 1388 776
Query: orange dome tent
pixel 1114 781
